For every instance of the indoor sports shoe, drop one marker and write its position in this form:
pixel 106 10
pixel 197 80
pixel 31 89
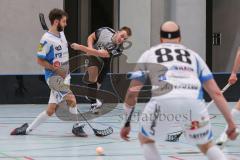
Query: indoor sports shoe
pixel 21 130
pixel 78 130
pixel 95 107
pixel 222 140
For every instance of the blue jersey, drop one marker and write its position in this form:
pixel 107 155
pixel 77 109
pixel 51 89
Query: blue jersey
pixel 53 49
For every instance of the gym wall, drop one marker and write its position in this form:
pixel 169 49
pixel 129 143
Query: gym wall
pixel 146 17
pixel 20 34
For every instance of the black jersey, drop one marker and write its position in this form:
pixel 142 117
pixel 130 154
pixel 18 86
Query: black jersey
pixel 104 41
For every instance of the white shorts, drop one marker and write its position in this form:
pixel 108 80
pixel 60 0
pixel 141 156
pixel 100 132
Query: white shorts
pixel 56 97
pixel 162 117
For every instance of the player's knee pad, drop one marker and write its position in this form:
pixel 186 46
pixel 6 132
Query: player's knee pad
pixel 198 133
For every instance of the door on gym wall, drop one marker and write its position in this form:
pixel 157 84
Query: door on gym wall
pixel 226 33
pixel 85 16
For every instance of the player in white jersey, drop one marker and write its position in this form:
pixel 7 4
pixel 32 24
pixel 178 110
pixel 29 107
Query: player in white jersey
pixel 221 141
pixel 177 76
pixel 53 56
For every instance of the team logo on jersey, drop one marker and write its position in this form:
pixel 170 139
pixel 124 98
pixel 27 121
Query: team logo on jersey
pixel 200 135
pixel 40 47
pixel 186 86
pixel 195 125
pixel 100 46
pixel 111 46
pixel 182 68
pixel 58 48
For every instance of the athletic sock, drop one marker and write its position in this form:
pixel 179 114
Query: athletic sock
pixel 93 94
pixel 214 153
pixel 73 110
pixel 235 113
pixel 150 151
pixel 42 117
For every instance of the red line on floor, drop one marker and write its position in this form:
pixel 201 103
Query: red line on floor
pixel 175 158
pixel 28 158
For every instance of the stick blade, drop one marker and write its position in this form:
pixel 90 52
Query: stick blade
pixel 103 133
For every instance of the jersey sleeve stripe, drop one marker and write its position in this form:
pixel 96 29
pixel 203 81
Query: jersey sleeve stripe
pixel 138 76
pixel 42 56
pixel 206 78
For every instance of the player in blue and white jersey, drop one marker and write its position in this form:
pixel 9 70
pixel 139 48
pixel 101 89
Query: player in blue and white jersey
pixel 53 56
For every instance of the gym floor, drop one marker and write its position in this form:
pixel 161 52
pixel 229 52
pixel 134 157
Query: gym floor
pixel 54 140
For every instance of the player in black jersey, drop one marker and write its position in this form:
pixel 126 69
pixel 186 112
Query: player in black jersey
pixel 103 44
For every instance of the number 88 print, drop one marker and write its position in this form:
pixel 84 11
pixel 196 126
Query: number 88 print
pixel 167 55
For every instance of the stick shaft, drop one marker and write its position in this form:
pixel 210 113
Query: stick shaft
pixel 223 90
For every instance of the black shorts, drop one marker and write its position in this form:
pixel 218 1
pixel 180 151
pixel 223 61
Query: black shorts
pixel 103 65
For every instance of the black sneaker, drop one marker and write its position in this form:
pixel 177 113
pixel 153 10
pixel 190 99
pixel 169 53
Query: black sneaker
pixel 21 130
pixel 78 130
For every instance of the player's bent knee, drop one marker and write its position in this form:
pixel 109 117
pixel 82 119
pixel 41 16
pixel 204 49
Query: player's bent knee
pixel 144 140
pixel 71 103
pixel 71 100
pixel 93 78
pixel 238 105
pixel 51 109
pixel 204 147
pixel 50 113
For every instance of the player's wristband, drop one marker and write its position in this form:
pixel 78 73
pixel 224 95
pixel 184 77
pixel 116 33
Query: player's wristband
pixel 128 114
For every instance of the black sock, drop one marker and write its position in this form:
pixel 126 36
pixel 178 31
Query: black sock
pixel 93 94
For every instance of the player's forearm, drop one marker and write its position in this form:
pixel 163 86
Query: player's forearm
pixel 94 52
pixel 215 93
pixel 133 93
pixel 90 51
pixel 223 107
pixel 130 100
pixel 236 63
pixel 90 42
pixel 45 64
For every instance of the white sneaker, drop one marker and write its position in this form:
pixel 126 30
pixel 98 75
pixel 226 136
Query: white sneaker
pixel 95 107
pixel 222 140
pixel 88 99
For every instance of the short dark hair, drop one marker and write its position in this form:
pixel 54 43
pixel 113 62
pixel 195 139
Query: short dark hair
pixel 127 29
pixel 57 14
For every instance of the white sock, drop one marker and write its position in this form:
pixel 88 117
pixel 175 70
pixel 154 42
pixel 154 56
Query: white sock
pixel 214 153
pixel 73 110
pixel 235 113
pixel 42 117
pixel 150 151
